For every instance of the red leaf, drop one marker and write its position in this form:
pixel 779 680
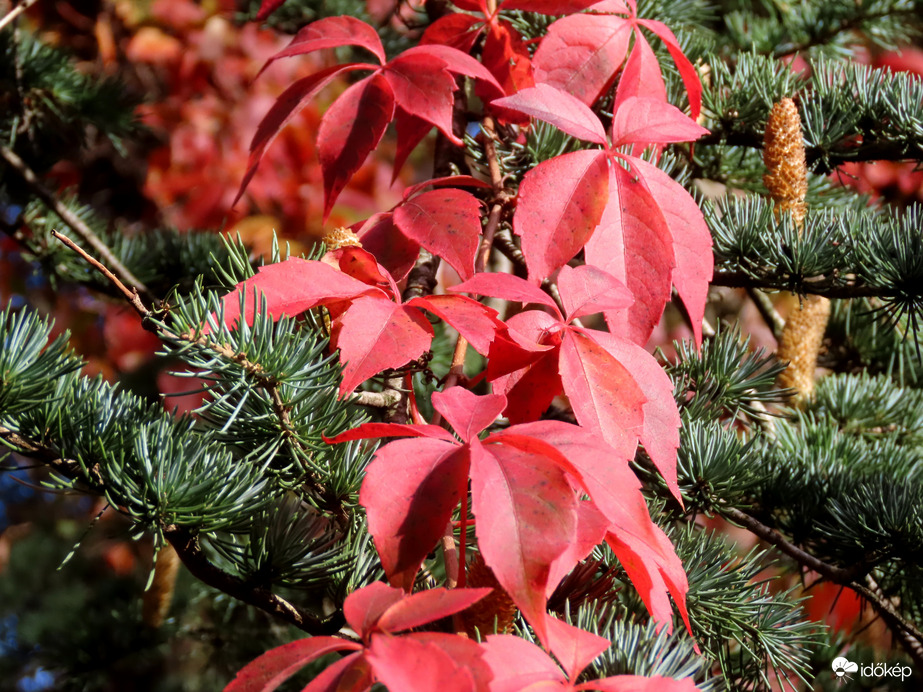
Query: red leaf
pixel 457 30
pixel 530 390
pixel 633 244
pixel 458 62
pixel 463 651
pixel 468 413
pixel 410 132
pixel 646 121
pixel 641 76
pixel 603 393
pixel 277 665
pixel 363 608
pixel 350 674
pixel 592 526
pixel 686 69
pixel 559 108
pixel 506 55
pixel 267 7
pixel 638 683
pixel 526 515
pixel 409 492
pixel 394 251
pixel 423 87
pixel 446 222
pixel 586 290
pixel 360 264
pixel 507 287
pixel 286 107
pixel 519 665
pixel 331 32
pixel 290 288
pixel 446 181
pixel 602 471
pixel 349 130
pixel 573 647
pixel 692 243
pixel 375 334
pixel 654 569
pixel 478 323
pixel 428 606
pixel 582 54
pixel 660 433
pixel 549 6
pixel 375 430
pixel 561 201
pixel 403 663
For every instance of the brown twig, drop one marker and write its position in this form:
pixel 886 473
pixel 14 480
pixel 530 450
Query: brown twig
pixel 186 545
pixel 15 12
pixel 72 220
pixel 767 310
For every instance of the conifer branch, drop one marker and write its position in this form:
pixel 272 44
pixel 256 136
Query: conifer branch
pixel 187 546
pixel 71 219
pixel 903 629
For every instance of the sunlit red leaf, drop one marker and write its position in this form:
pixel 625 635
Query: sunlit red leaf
pixel 376 334
pixel 267 672
pixel 467 413
pixel 559 108
pixel 640 120
pixel 446 222
pixel 427 606
pixel 403 663
pixel 424 88
pixel 350 129
pixel 561 201
pixel 692 243
pixel 581 54
pixel 526 516
pixel 586 290
pixel 603 393
pixel 332 32
pixel 409 492
pixel 633 244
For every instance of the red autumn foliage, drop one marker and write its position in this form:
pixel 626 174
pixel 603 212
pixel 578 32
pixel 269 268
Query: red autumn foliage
pixel 612 232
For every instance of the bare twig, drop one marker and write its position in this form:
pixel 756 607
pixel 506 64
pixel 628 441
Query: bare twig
pixel 72 220
pixel 384 399
pixel 15 12
pixel 767 310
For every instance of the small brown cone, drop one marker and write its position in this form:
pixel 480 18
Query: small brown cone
pixel 497 606
pixel 783 154
pixel 157 599
pixel 787 182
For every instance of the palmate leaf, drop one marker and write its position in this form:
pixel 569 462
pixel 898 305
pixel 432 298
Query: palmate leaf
pixel 616 388
pixel 371 327
pixel 377 613
pixel 532 527
pixel 417 88
pixel 638 225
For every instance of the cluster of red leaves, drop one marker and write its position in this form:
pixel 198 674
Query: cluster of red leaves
pixel 210 102
pixel 543 493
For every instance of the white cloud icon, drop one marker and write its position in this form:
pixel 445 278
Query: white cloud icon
pixel 841 666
